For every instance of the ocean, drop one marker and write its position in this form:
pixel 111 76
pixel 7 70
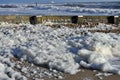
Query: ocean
pixel 71 8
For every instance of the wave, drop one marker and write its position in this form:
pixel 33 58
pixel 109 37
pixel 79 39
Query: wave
pixel 92 8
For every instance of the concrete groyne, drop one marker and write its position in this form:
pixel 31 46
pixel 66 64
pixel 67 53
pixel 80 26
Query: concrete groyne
pixel 81 20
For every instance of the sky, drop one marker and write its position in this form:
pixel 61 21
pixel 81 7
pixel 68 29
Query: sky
pixel 48 1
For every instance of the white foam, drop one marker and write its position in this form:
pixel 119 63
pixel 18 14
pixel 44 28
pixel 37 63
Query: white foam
pixel 62 48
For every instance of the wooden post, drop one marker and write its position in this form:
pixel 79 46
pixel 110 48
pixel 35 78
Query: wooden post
pixel 116 19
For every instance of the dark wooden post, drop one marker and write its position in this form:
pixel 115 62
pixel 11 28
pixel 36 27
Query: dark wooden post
pixel 74 19
pixel 110 19
pixel 33 20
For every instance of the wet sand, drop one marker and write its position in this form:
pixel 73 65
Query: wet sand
pixel 90 75
pixel 87 74
pixel 84 74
